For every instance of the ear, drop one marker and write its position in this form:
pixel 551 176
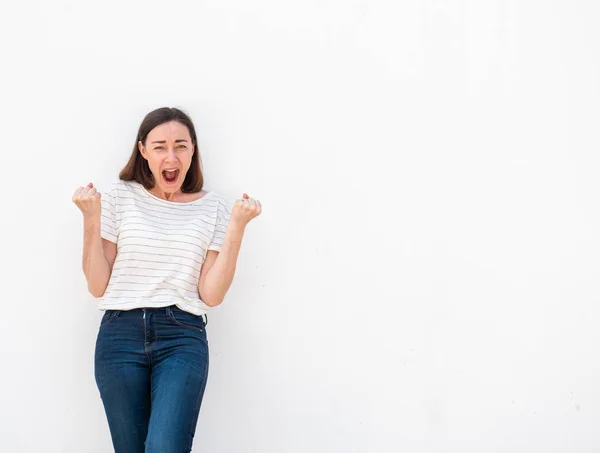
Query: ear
pixel 142 150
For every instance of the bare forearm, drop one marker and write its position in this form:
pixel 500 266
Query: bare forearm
pixel 219 277
pixel 95 266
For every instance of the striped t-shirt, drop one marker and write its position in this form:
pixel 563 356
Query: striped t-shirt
pixel 161 246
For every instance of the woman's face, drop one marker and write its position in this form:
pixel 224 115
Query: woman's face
pixel 169 152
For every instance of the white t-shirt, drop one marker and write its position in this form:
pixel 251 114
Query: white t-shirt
pixel 161 246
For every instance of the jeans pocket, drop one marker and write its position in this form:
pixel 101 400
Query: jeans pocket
pixel 109 316
pixel 185 319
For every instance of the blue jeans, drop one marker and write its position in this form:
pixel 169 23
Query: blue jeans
pixel 151 367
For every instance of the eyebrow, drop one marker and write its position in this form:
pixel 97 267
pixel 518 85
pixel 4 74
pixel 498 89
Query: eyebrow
pixel 176 141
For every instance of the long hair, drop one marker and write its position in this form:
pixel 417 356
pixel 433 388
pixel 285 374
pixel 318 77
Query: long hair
pixel 137 168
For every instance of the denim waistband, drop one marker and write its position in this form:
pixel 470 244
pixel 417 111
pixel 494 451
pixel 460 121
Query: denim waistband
pixel 166 310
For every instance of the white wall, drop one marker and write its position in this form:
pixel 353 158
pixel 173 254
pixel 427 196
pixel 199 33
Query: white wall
pixel 424 277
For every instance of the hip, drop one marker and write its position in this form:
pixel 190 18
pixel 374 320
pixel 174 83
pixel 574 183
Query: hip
pixel 143 329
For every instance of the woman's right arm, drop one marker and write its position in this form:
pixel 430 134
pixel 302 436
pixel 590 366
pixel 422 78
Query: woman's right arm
pixel 98 257
pixel 98 253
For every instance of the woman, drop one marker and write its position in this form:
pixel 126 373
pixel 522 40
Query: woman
pixel 159 251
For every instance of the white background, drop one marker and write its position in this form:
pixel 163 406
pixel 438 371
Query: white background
pixel 424 277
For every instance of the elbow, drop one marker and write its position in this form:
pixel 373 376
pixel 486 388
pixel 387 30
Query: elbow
pixel 208 297
pixel 213 303
pixel 96 292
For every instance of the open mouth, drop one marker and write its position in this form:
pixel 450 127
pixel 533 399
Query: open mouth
pixel 170 176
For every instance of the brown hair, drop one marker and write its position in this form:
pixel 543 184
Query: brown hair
pixel 137 168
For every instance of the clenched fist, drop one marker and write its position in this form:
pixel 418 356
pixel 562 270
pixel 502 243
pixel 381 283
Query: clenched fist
pixel 245 210
pixel 87 200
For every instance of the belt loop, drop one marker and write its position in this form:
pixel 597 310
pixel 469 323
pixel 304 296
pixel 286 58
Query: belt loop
pixel 205 322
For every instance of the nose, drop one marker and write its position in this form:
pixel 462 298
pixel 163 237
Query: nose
pixel 171 155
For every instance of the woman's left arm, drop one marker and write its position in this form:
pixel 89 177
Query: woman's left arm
pixel 218 268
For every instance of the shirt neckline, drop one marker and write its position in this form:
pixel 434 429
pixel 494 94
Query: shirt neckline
pixel 173 203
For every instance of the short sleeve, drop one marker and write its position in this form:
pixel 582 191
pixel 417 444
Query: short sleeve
pixel 108 219
pixel 223 216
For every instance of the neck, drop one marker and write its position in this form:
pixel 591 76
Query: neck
pixel 169 196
